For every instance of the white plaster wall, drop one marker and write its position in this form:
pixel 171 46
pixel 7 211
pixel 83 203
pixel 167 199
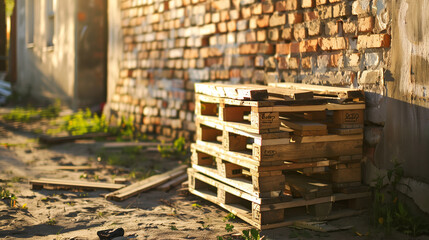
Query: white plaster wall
pixel 47 72
pixel 114 48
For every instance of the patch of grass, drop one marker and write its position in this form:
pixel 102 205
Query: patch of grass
pixel 173 227
pixel 229 227
pixel 6 194
pixel 51 221
pixel 177 150
pixel 82 122
pixel 31 114
pixel 229 217
pixel 196 205
pixel 252 234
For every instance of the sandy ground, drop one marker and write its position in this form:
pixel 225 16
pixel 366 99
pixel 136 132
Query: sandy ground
pixel 60 214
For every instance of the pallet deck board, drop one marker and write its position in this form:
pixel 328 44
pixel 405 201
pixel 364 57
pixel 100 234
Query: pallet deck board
pixel 62 183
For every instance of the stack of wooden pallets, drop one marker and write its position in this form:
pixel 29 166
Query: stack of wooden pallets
pixel 263 151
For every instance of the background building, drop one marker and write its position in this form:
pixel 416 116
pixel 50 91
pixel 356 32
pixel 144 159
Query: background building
pixel 61 51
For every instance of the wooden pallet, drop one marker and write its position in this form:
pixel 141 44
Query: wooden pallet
pixel 257 116
pixel 70 184
pixel 256 211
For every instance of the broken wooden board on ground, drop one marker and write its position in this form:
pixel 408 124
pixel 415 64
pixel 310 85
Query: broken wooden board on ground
pixel 57 140
pixel 146 184
pixel 71 184
pixel 69 168
pixel 172 183
pixel 132 144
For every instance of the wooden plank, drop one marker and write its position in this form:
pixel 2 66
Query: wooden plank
pixel 302 124
pixel 307 150
pixel 324 90
pixel 61 183
pixel 145 184
pixel 244 130
pixel 69 168
pixel 311 108
pixel 132 144
pixel 302 202
pixel 234 102
pixel 327 138
pixel 240 92
pixel 287 94
pixel 57 140
pixel 173 182
pixel 307 187
pixel 346 131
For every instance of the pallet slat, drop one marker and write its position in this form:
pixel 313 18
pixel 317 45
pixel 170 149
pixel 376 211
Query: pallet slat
pixel 61 183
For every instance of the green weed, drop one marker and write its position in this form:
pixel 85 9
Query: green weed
pixel 389 212
pixel 31 114
pixel 6 194
pixel 177 150
pixel 51 221
pixel 252 234
pixel 229 227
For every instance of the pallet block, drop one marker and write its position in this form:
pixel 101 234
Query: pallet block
pixel 262 213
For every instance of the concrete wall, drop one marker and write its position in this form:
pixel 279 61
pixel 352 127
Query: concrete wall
pixel 47 72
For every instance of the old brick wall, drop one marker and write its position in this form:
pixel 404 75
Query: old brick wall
pixel 169 45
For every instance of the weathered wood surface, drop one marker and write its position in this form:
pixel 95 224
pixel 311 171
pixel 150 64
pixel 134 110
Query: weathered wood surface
pixel 62 183
pixel 145 184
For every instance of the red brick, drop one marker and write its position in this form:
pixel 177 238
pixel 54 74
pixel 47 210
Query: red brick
pixel 259 61
pixel 273 34
pixel 294 47
pixel 313 28
pixel 331 28
pixel 253 22
pixel 340 10
pixel 308 46
pixel 283 48
pixel 277 19
pixel 222 27
pixel 365 24
pixel 373 41
pixel 325 12
pixel 291 5
pixel 267 7
pixel 306 62
pixel 234 73
pixel 246 12
pixel 307 3
pixel 224 16
pixel 321 2
pixel 287 34
pixel 334 1
pixel 299 32
pixel 349 27
pixel 335 43
pixel 256 9
pixel 263 21
pixel 311 15
pixel 336 60
pixel 265 48
pixel 232 26
pixel 288 63
pixel 261 35
pixel 270 62
pixel 294 18
pixel 281 6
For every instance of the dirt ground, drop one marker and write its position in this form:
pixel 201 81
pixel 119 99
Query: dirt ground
pixel 62 214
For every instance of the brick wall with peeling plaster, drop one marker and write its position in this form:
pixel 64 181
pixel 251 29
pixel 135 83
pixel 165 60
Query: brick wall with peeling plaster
pixel 167 46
